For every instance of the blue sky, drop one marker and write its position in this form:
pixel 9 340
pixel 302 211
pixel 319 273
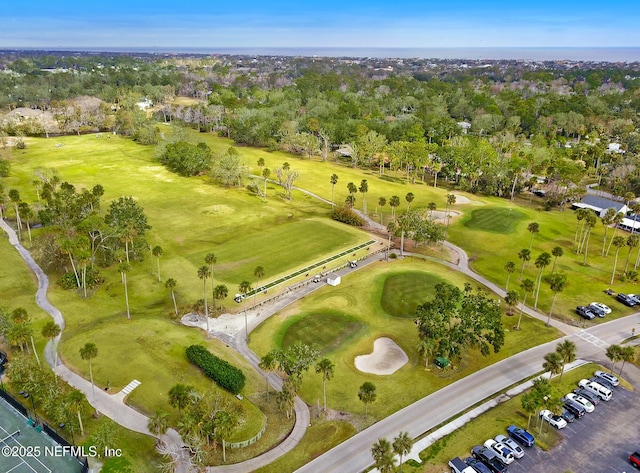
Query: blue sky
pixel 327 23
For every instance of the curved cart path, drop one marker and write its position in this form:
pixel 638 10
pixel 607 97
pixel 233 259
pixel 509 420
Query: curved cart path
pixel 111 405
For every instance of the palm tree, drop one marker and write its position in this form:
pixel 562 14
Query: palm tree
pixel 580 216
pixel 179 396
pixel 350 201
pixel 426 347
pixel 259 274
pixel 431 207
pixel 627 353
pixel 409 198
pixel 51 330
pixel 14 196
pixel 159 422
pixel 532 228
pixel 203 273
pixel 266 172
pixel 567 351
pixel 383 456
pixel 171 285
pixel 364 188
pixel 553 363
pixel 542 262
pixel 394 202
pixel 267 363
pixel 557 252
pixel 557 282
pixel 367 394
pixel 381 202
pixel 211 260
pixel 607 220
pixel 76 398
pixel 527 287
pixel 26 214
pixel 530 405
pixel 613 353
pixel 525 255
pixel 617 220
pixel 451 199
pixel 220 292
pixel 244 288
pixel 352 188
pixel 632 242
pixel 325 367
pixel 402 445
pixel 334 180
pixel 260 163
pixel 511 299
pixel 157 252
pixel 618 242
pixel 509 267
pixel 124 268
pixel 88 352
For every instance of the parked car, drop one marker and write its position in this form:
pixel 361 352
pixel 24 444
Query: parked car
pixel 575 408
pixel 568 416
pixel 626 300
pixel 521 436
pixel 477 465
pixel 602 382
pixel 489 458
pixel 611 379
pixel 553 419
pixel 353 264
pixel 504 453
pixel 596 310
pixel 604 308
pixel 511 444
pixel 634 458
pixel 458 466
pixel 594 399
pixel 596 388
pixel 584 402
pixel 635 297
pixel 585 312
pixel 317 278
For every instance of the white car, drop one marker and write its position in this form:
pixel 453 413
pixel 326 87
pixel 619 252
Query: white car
pixel 583 401
pixel 553 419
pixel 613 380
pixel 503 452
pixel 602 307
pixel 516 449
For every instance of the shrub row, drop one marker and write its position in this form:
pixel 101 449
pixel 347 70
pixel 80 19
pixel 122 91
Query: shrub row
pixel 348 216
pixel 225 375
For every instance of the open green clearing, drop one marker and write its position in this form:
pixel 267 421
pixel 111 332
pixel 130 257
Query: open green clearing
pixel 489 252
pixel 492 423
pixel 328 330
pixel 494 220
pixel 404 292
pixel 358 298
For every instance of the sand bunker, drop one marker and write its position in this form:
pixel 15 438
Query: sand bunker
pixel 387 358
pixel 461 199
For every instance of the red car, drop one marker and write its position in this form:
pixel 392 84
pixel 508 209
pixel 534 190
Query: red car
pixel 634 458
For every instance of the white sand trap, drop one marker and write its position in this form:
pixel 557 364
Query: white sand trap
pixel 387 358
pixel 461 199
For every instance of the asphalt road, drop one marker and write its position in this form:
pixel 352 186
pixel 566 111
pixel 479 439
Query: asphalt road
pixel 353 455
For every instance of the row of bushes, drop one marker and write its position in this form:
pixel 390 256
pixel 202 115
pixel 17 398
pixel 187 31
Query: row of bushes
pixel 348 216
pixel 225 375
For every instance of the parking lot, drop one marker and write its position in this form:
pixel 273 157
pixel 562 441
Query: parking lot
pixel 599 442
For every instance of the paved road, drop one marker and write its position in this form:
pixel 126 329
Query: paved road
pixel 354 454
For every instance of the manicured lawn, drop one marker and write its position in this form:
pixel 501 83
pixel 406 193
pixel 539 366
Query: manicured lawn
pixel 494 422
pixel 404 292
pixel 327 330
pixel 359 298
pixel 495 220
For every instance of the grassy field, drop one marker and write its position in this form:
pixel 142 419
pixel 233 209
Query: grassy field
pixel 345 320
pixel 492 423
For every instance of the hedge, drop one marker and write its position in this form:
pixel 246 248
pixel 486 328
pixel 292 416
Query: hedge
pixel 224 374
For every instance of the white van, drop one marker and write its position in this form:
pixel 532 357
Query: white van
pixel 596 388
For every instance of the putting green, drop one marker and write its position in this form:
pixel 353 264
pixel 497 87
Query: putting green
pixel 328 330
pixel 495 220
pixel 402 293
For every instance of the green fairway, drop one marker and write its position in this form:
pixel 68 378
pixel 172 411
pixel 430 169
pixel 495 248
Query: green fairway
pixel 404 292
pixel 494 220
pixel 328 330
pixel 359 298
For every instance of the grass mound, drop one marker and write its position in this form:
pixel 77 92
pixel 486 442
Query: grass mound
pixel 495 220
pixel 327 330
pixel 404 292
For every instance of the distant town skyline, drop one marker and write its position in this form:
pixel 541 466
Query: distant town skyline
pixel 285 23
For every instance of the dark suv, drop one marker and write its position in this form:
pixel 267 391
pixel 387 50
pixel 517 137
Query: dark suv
pixel 575 408
pixel 626 300
pixel 489 458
